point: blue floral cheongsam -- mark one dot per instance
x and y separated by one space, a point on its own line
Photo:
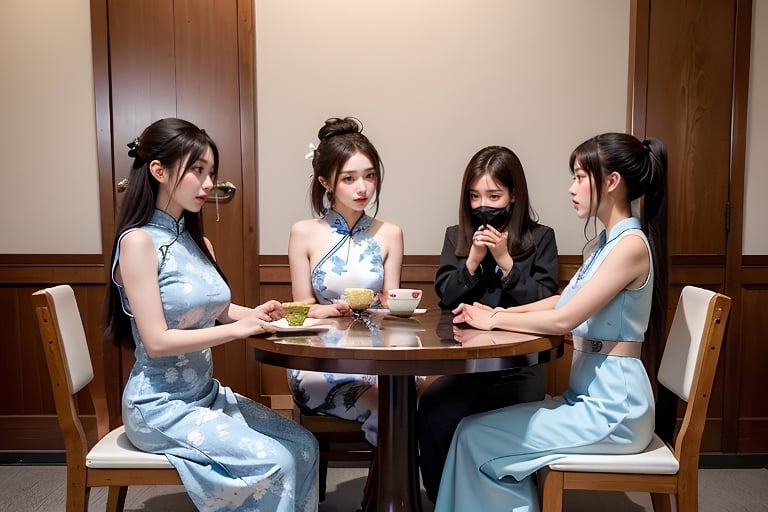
354 261
231 452
608 407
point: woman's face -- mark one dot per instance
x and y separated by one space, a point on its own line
582 192
483 191
187 190
355 184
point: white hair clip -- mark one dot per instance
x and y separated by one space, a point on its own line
311 154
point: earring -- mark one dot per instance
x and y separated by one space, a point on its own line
327 200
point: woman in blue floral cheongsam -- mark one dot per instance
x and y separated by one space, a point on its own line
169 300
344 248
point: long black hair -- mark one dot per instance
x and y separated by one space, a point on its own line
503 166
643 167
172 142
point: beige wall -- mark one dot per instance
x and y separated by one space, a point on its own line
47 129
427 119
755 232
433 82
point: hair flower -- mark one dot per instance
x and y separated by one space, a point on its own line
133 148
311 154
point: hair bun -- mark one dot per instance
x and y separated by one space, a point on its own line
335 127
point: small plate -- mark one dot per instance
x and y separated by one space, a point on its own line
310 325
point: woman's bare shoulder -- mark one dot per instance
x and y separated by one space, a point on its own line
308 226
136 240
386 228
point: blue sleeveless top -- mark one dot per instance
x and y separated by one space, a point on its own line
193 295
625 317
354 261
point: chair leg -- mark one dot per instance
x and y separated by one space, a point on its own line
687 500
371 490
77 492
116 498
322 480
77 501
551 490
324 448
661 502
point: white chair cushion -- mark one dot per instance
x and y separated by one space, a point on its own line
656 459
115 451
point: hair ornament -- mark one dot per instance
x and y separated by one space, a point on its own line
311 154
133 148
646 145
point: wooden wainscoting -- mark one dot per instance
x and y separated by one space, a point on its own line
27 412
747 332
738 414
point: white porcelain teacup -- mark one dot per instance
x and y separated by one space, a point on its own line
403 301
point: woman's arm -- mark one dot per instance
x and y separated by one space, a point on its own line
298 262
534 277
626 263
453 280
269 311
137 271
390 239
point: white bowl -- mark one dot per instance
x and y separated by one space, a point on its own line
403 301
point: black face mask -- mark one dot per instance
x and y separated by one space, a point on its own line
490 216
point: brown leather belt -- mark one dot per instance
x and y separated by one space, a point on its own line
610 348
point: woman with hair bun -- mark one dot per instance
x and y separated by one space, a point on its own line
343 248
614 303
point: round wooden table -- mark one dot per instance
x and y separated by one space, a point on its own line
398 349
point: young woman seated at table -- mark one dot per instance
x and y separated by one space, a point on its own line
609 405
500 256
170 303
344 248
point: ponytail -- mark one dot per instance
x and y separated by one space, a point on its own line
654 222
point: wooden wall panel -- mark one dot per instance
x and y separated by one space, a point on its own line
690 66
752 421
27 411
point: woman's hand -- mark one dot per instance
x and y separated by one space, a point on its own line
338 308
472 337
476 315
489 239
495 241
477 250
270 311
254 324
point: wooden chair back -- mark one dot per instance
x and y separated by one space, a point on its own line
688 369
71 372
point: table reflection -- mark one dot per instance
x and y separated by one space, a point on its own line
396 349
368 329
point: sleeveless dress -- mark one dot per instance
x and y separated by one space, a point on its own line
231 452
608 408
354 261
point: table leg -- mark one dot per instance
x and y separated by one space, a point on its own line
398 469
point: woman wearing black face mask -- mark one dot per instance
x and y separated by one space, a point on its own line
500 256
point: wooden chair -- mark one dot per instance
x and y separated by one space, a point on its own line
687 368
113 461
339 440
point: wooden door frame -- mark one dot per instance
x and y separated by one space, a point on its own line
114 377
